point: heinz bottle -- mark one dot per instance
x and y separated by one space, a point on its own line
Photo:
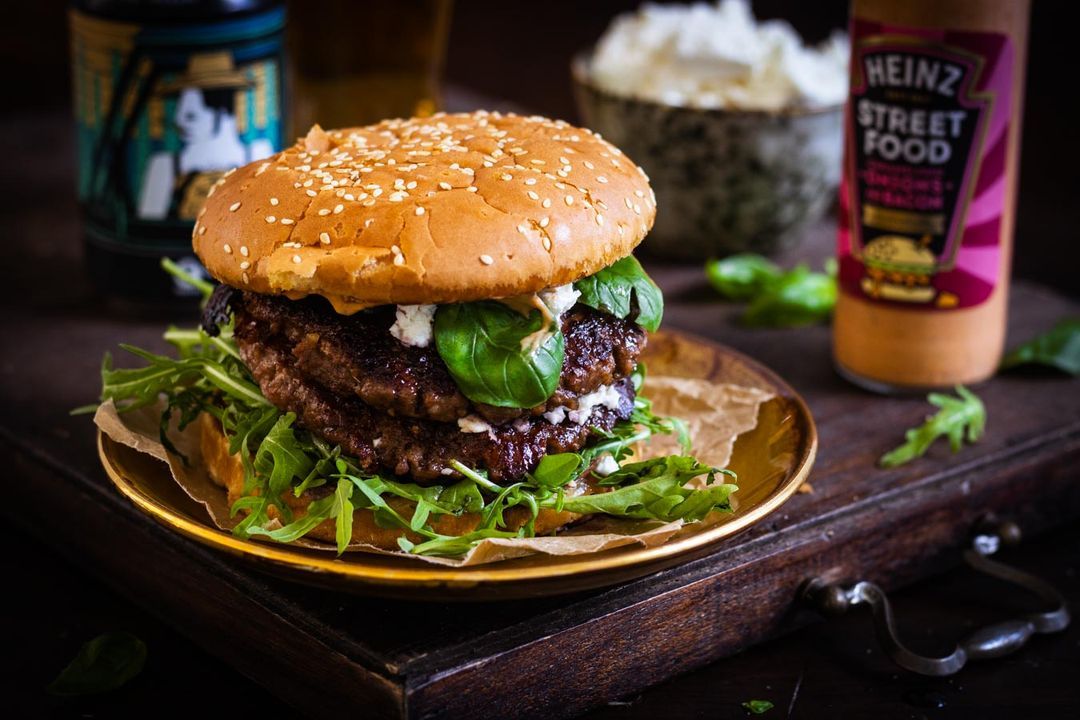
928 195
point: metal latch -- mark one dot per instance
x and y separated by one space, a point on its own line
992 641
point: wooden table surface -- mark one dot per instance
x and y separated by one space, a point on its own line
54 330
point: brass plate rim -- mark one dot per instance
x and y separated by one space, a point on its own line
414 574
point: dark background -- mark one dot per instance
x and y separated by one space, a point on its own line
520 51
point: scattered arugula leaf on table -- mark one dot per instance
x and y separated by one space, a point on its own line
757 707
959 419
105 663
1058 348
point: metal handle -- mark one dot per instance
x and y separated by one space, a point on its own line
989 642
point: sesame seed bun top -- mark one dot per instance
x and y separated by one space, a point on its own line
451 208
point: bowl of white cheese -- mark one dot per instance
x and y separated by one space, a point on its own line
738 123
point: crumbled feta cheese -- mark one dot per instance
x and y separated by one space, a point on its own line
718 56
604 396
606 466
414 324
473 424
559 299
446 471
556 416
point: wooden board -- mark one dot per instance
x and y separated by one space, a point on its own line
558 656
552 657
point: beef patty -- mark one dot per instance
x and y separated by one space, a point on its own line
395 407
421 449
357 356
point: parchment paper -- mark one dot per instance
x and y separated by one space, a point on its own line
716 414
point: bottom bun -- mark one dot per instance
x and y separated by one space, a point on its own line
227 471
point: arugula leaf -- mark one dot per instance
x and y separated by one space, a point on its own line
777 298
105 663
743 276
958 419
757 707
618 287
654 490
343 511
482 344
204 287
1059 348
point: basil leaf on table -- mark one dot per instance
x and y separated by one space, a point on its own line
614 289
776 297
741 277
481 344
103 664
1059 348
798 297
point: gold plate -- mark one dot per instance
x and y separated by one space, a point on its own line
771 460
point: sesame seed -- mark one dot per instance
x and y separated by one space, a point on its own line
637 208
419 210
532 195
544 222
273 201
399 259
569 199
349 196
446 186
311 193
296 259
546 203
271 219
547 243
287 221
507 176
202 229
599 219
324 238
472 188
245 265
234 207
589 165
244 250
639 193
324 212
601 179
530 181
338 208
227 248
486 259
537 161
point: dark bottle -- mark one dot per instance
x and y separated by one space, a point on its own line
169 96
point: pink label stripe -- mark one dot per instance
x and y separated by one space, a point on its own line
983 234
993 166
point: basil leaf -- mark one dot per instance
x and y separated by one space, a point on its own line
741 277
616 289
481 344
103 664
777 297
1059 348
958 419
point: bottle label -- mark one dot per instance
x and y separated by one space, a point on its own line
162 111
924 183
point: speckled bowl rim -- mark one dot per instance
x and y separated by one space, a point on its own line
581 75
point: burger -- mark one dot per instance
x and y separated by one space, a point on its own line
426 333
